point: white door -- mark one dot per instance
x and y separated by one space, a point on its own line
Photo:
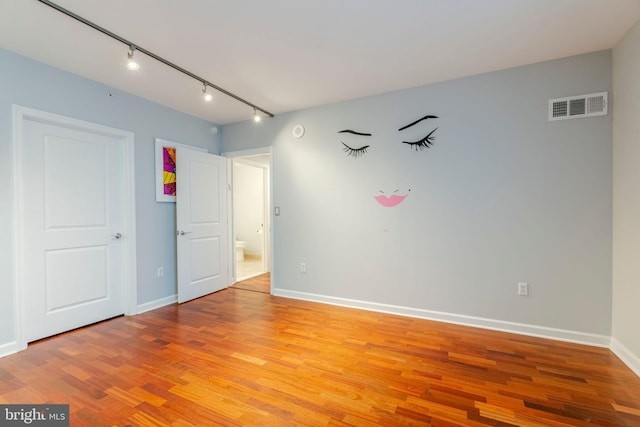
73 197
201 217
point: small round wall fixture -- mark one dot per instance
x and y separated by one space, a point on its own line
298 131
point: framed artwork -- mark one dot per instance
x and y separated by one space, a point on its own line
166 169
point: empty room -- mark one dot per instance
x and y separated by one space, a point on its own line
356 213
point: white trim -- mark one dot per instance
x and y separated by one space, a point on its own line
252 163
152 305
627 356
131 260
247 153
18 262
20 114
9 348
476 322
232 274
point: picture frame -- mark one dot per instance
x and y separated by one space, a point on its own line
165 160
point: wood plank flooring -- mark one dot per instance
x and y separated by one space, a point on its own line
242 358
261 283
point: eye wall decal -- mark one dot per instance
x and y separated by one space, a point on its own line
424 142
353 151
418 145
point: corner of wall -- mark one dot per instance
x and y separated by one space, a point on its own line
626 355
625 341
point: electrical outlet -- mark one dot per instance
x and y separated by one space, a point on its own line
523 289
303 267
160 271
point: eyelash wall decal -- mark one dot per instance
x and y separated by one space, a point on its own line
423 143
354 152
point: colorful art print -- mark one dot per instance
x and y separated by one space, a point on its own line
169 171
166 161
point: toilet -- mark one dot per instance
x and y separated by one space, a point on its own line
240 245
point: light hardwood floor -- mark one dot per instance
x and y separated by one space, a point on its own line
243 358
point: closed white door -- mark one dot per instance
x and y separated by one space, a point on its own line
201 217
74 191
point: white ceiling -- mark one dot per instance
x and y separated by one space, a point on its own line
285 55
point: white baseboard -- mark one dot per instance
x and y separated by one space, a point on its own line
152 305
478 322
9 348
627 356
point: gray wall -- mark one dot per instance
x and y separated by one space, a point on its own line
35 85
502 196
626 196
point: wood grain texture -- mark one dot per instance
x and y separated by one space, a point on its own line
261 283
241 358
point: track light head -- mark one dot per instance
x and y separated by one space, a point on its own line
206 95
256 116
131 62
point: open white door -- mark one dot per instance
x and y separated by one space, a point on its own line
201 217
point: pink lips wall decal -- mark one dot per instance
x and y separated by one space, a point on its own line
391 201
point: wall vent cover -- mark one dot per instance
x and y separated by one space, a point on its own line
572 107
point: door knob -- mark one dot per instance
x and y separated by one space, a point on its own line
182 233
116 236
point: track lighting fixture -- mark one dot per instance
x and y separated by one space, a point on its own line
131 62
133 65
206 95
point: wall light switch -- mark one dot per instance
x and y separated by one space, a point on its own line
523 289
160 271
277 211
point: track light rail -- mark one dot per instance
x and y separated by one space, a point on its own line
158 58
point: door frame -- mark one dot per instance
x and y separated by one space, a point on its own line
268 215
20 116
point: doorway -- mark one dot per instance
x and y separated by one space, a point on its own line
250 203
